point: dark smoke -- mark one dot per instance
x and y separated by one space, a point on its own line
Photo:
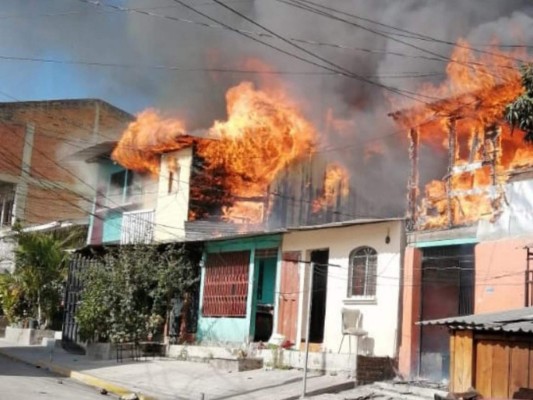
99 34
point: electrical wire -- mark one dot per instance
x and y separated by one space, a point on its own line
414 35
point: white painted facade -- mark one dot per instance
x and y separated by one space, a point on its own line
380 312
173 195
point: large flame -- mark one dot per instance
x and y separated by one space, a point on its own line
264 132
471 104
336 185
145 139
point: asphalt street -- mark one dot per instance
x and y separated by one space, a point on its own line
21 381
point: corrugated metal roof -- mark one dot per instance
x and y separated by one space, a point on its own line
94 153
340 224
202 230
518 320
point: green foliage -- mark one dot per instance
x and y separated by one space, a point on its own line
128 294
93 314
519 113
40 270
11 297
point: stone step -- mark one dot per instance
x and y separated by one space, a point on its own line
410 389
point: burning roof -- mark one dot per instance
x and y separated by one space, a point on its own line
466 137
237 159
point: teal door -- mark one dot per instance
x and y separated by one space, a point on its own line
264 297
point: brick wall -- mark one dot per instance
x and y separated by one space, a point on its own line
61 128
373 369
11 138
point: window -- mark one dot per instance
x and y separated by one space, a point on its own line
116 182
362 272
7 201
173 181
226 284
120 186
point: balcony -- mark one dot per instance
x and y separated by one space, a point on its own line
137 227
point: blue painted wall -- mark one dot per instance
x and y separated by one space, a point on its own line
234 330
112 227
108 222
266 283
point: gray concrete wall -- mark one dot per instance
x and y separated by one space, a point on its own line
27 336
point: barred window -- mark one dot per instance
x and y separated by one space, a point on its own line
226 284
362 272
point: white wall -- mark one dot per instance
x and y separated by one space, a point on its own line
380 316
173 208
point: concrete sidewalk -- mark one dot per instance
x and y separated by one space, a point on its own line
169 379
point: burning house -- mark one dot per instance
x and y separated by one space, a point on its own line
255 191
469 193
257 171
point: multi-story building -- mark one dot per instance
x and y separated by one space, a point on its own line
39 182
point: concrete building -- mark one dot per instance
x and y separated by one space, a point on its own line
470 194
357 266
39 182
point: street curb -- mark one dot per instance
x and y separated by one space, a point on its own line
334 388
86 379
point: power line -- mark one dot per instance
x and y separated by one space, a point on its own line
333 67
73 12
415 35
338 70
305 5
402 75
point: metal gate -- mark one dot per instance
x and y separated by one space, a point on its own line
78 264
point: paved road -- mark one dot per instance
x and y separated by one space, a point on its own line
21 381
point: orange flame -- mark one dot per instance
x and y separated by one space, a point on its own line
335 184
470 108
264 132
145 139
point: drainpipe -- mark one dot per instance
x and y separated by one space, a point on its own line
399 327
21 191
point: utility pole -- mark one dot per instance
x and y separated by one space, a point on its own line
309 301
308 330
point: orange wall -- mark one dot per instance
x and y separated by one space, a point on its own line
500 267
499 285
410 339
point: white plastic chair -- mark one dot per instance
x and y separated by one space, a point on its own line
351 326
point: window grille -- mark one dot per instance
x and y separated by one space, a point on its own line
362 272
266 253
7 201
225 291
137 227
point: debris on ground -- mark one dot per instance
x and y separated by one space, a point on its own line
130 396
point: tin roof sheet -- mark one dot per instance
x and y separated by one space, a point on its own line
517 320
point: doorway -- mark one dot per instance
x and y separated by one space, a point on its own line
447 291
264 289
320 259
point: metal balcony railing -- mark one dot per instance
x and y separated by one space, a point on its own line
137 227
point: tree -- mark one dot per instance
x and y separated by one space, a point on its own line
519 113
34 289
128 294
40 268
11 297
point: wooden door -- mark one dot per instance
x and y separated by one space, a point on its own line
288 296
502 367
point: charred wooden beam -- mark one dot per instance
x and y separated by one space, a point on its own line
474 147
492 145
413 178
452 156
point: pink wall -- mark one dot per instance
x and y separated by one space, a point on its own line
410 339
500 268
